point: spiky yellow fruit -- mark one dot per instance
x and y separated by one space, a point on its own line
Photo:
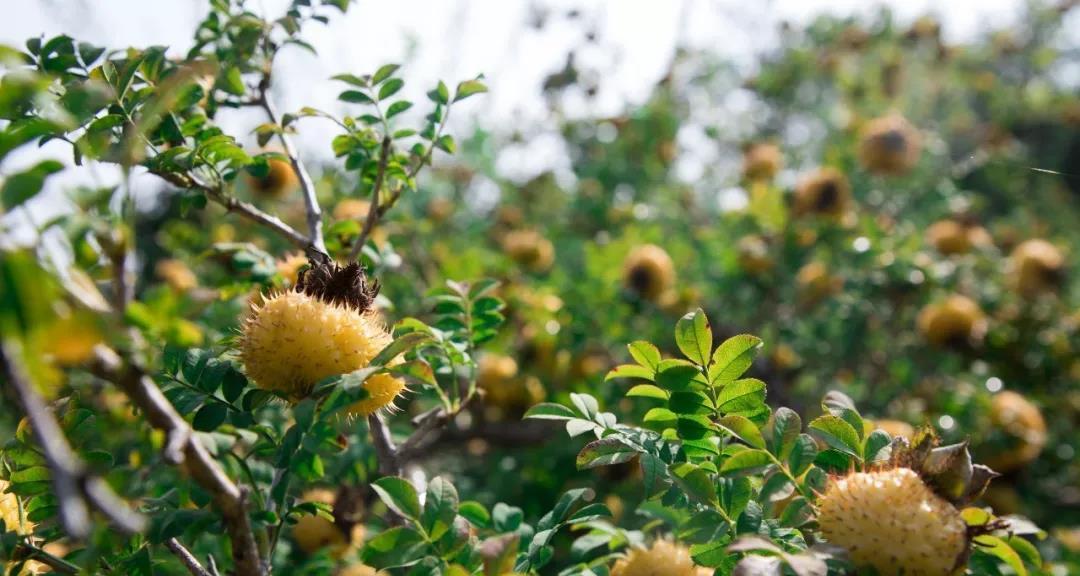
823 192
816 283
889 145
1023 422
761 161
529 249
313 533
352 209
323 328
649 271
664 558
280 179
891 521
954 321
1037 266
176 274
359 570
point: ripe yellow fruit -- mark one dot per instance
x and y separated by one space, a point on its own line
891 521
439 209
529 249
504 390
359 570
896 428
176 274
761 161
823 192
753 255
279 180
313 533
323 328
351 209
648 271
949 237
664 558
11 514
889 145
289 267
1036 266
1023 422
954 321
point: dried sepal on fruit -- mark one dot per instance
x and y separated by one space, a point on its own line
649 272
903 518
823 192
889 145
663 558
323 327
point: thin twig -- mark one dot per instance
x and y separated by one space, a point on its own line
76 490
375 211
426 424
311 201
186 557
384 446
182 445
244 209
58 565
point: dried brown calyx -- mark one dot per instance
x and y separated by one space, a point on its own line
335 284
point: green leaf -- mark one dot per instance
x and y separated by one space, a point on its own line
32 474
629 371
232 82
647 391
653 474
390 88
397 108
209 417
440 507
694 481
585 404
786 427
743 429
746 462
605 452
837 433
468 88
355 96
475 513
676 377
399 346
732 358
746 397
384 72
994 546
802 455
693 335
440 95
23 186
394 547
550 411
645 354
398 494
661 417
878 446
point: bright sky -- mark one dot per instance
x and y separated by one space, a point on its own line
456 39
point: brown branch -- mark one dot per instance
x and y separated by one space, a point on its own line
241 208
77 491
186 557
376 210
385 452
58 565
182 446
311 201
